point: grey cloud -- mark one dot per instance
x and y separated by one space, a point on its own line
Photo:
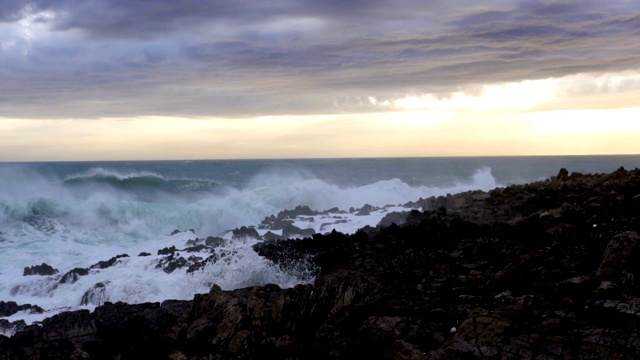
11 10
215 58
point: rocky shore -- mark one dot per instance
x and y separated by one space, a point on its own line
538 271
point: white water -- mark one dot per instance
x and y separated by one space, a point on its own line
41 220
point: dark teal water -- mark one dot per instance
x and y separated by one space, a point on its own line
343 172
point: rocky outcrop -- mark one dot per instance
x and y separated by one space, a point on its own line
537 271
42 269
8 308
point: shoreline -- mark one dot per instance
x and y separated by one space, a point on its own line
545 268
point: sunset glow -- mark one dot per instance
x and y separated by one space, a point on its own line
78 85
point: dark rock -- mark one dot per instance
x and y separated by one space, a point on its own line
171 263
286 217
333 210
246 232
8 327
620 259
8 308
517 272
562 174
72 275
365 210
397 218
214 241
269 236
294 231
42 269
96 295
108 263
176 231
144 254
167 250
196 248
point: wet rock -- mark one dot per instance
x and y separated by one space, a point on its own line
42 269
517 272
294 231
269 236
171 263
397 218
8 308
8 327
214 241
245 232
167 250
96 295
365 210
176 232
73 275
108 263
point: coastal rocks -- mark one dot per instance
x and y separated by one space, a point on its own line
245 233
42 269
397 218
286 217
73 275
8 308
291 231
96 295
105 264
514 273
620 259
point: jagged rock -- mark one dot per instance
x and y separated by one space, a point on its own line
108 263
8 308
397 218
294 231
42 269
285 217
365 210
562 174
72 275
167 250
333 210
171 263
620 259
144 253
176 231
269 236
196 248
214 241
246 232
518 272
8 327
96 295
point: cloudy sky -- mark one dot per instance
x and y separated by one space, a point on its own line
202 79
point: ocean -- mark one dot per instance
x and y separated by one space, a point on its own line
73 215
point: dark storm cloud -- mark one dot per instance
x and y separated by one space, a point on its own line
241 58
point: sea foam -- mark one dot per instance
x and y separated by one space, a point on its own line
96 214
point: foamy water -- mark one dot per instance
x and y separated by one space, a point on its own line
70 216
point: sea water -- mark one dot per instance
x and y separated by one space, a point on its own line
75 214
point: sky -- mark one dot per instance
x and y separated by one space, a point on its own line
212 79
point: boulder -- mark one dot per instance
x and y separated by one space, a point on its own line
245 232
620 258
42 269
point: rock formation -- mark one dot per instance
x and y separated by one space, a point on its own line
537 271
